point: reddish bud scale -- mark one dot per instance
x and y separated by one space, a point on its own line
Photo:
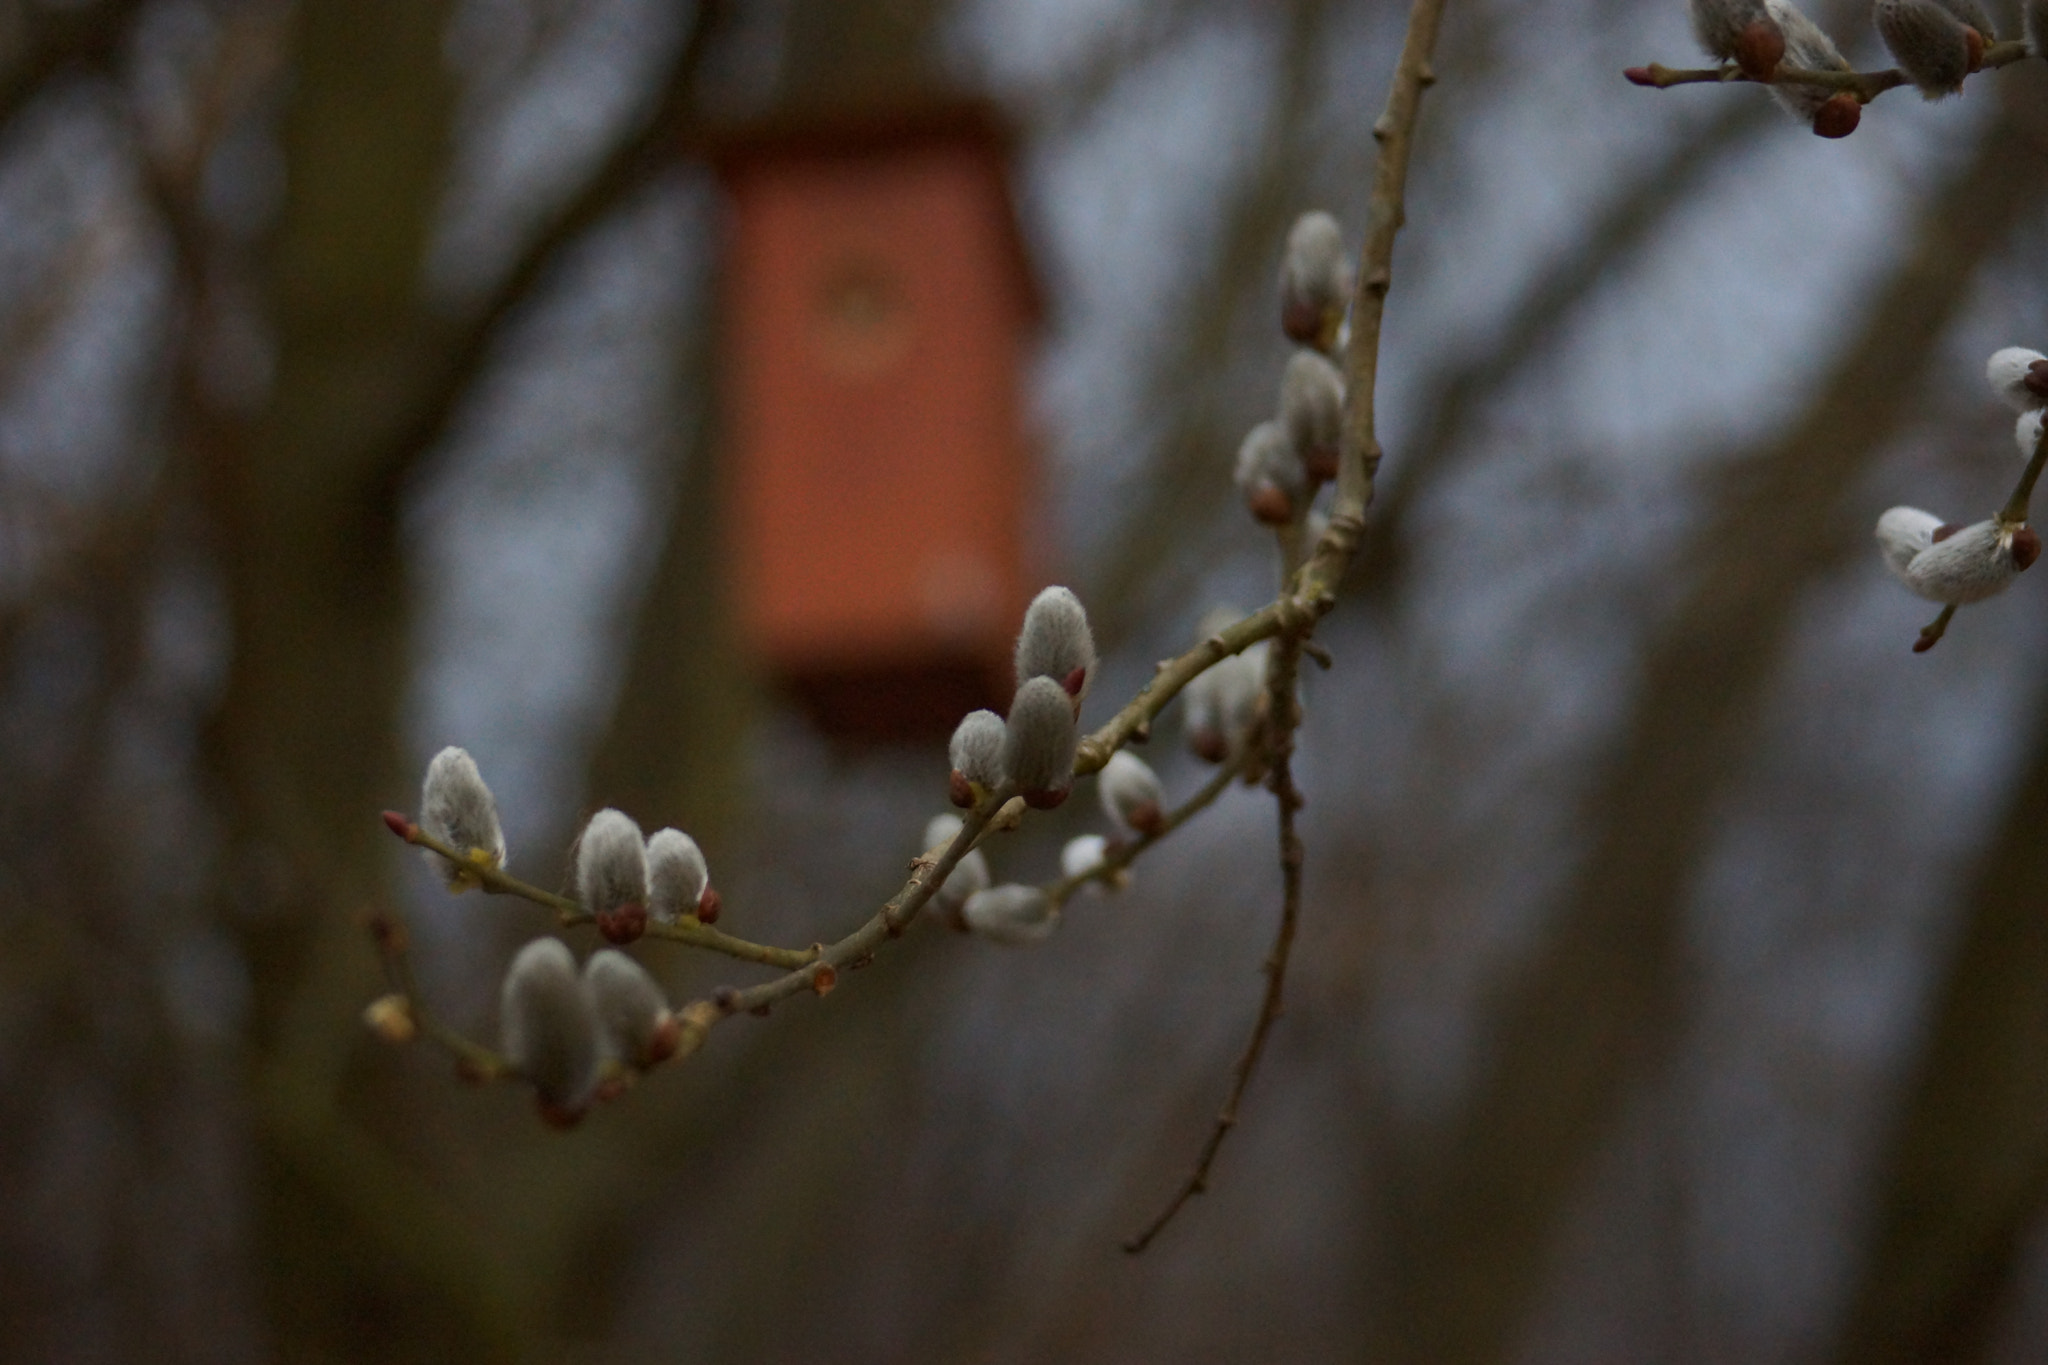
1638 75
1302 320
402 827
1321 466
1973 43
1759 48
1045 799
1838 115
557 1117
1074 682
1147 819
959 790
668 1036
824 978
1945 530
2026 547
1270 505
1925 643
708 906
1209 745
2035 380
623 925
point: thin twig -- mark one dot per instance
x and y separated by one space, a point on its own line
1285 711
1119 856
476 1061
1864 85
999 810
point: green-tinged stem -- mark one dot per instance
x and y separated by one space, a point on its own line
497 881
2014 513
1865 85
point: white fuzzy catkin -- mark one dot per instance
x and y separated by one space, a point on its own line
1131 795
459 810
638 1027
968 876
1970 565
1902 533
1011 914
1221 704
977 748
1270 477
1930 44
611 870
2008 371
677 875
1312 411
1038 748
1055 643
548 1028
2026 433
1315 280
1808 48
1082 854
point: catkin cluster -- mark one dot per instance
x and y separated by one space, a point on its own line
574 1035
1956 564
1938 44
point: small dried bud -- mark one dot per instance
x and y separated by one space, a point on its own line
2026 433
1082 855
1956 567
459 810
1809 48
1038 749
639 1028
2019 377
1131 795
611 875
1312 410
1270 476
977 750
390 1018
549 1029
1930 44
1838 115
968 876
1056 643
677 876
1315 281
1739 31
1011 914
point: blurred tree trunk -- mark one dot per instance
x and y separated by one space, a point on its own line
1475 1210
361 1264
1967 1176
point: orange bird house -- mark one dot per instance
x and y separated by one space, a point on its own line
878 307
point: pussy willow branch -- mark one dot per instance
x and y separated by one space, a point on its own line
498 882
2010 517
1864 85
1119 856
1312 591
